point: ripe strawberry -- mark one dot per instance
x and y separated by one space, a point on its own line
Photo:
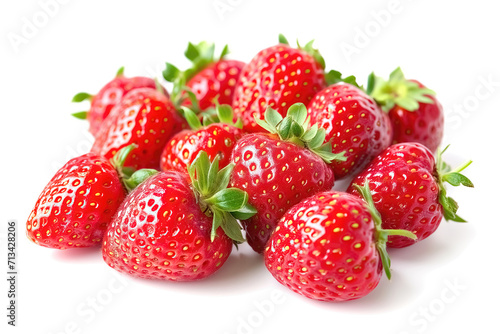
209 81
168 227
408 190
277 77
330 247
280 168
76 205
109 95
216 139
144 117
415 113
354 124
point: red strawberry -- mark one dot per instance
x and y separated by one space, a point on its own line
216 139
209 81
280 168
354 124
76 205
415 114
144 117
168 227
408 190
330 247
278 77
109 95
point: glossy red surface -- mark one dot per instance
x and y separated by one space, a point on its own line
324 248
160 232
77 204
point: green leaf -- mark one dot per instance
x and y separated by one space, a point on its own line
399 91
225 113
239 123
218 217
333 77
313 52
370 84
381 235
298 112
138 177
191 52
310 133
202 165
296 130
272 116
282 39
186 91
170 73
407 103
80 97
206 52
385 259
397 75
212 174
231 228
119 158
80 115
229 199
456 179
225 52
191 118
453 177
245 212
120 72
265 125
318 139
285 128
325 153
223 177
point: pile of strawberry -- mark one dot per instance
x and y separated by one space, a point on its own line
173 180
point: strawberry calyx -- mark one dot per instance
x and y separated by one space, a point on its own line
333 77
82 96
201 55
225 205
397 91
308 48
222 113
130 177
294 127
381 235
454 177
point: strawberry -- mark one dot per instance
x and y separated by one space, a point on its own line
278 77
145 117
76 205
330 247
168 227
109 95
354 124
415 113
408 190
216 139
207 82
280 168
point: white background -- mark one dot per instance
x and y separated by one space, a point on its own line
448 282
